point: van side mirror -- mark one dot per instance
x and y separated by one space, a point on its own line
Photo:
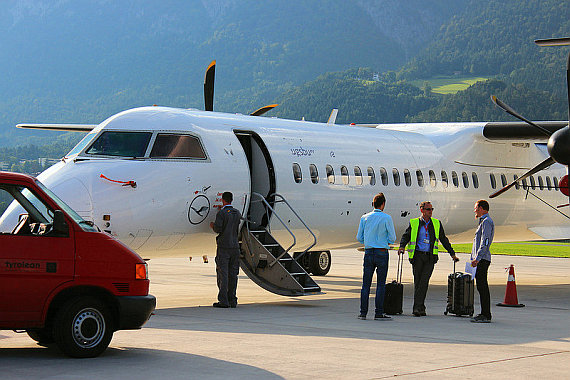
60 227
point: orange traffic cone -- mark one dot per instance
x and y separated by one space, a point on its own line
511 299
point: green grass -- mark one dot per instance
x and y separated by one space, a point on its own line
448 85
539 249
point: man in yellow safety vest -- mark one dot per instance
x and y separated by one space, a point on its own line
422 237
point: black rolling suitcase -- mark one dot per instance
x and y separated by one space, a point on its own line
460 292
394 294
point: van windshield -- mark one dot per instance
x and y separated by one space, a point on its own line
122 144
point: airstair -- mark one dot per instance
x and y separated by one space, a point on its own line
267 263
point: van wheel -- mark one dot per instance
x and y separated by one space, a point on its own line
320 263
44 336
82 328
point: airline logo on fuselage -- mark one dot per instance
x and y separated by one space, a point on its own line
300 152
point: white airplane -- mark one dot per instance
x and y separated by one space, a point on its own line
153 177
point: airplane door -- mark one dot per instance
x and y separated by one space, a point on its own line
262 176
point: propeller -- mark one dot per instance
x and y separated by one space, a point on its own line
209 86
209 92
558 142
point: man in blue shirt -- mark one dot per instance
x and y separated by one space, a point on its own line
376 232
481 258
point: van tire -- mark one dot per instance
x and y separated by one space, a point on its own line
83 327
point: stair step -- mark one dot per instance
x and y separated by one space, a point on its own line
271 245
312 288
298 273
286 259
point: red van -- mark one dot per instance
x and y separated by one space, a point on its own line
61 280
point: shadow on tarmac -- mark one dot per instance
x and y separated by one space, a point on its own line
545 317
127 363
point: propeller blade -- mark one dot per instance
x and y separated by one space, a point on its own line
553 41
543 165
262 110
511 111
209 86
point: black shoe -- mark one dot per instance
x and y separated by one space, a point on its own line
417 314
382 317
233 305
361 316
423 314
220 305
480 319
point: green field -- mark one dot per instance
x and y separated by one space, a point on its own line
539 249
448 85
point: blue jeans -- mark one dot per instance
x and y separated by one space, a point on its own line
374 259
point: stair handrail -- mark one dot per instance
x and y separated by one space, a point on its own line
302 221
282 222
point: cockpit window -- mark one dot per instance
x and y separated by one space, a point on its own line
82 144
122 144
177 146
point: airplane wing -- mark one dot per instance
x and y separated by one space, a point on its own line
60 127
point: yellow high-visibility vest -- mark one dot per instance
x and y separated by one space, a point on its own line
415 223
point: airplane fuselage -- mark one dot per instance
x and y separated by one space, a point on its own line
328 173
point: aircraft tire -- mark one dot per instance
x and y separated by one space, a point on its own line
83 327
320 263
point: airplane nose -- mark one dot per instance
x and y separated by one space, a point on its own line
74 192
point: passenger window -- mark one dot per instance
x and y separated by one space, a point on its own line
330 174
548 183
396 175
177 146
455 179
407 177
444 180
532 183
344 175
524 185
516 177
371 176
504 180
358 176
555 182
465 180
120 144
432 180
420 178
297 173
475 180
540 183
314 173
384 176
493 181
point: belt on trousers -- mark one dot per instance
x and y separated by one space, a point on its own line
427 253
383 250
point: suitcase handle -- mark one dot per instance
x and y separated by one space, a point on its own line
399 269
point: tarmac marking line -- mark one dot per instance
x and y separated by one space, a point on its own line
474 364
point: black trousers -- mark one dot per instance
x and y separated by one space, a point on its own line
483 287
422 268
227 269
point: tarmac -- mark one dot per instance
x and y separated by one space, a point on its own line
271 337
